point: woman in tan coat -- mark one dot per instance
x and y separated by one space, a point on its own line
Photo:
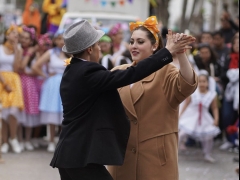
152 106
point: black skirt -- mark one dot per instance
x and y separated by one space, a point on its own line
90 172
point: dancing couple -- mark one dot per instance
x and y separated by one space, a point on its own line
126 118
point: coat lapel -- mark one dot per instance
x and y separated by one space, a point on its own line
126 98
137 90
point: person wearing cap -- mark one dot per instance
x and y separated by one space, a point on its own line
105 44
95 129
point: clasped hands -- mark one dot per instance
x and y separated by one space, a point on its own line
178 43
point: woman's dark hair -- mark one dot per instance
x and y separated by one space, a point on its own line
235 37
152 38
206 33
212 60
35 42
218 33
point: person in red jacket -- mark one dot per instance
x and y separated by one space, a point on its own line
234 62
231 99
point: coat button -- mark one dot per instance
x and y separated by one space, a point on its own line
134 151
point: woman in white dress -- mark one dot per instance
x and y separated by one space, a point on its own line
196 120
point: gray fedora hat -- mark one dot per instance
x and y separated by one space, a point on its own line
80 36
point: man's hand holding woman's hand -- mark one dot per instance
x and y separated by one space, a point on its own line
178 43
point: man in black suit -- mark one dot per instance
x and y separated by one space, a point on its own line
95 129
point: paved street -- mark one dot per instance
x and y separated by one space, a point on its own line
34 166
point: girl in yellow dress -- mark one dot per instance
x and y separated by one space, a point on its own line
10 88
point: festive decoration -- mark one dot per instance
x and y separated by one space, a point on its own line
113 3
103 3
122 2
95 2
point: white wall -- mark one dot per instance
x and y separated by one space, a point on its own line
138 8
7 7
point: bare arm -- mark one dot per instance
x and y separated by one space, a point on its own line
27 58
37 67
186 68
17 58
2 80
5 85
214 107
187 102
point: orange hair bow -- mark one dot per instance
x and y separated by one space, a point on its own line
12 28
151 24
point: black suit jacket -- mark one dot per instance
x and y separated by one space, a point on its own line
95 127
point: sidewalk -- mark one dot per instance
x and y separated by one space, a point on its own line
35 166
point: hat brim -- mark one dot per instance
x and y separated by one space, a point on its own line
99 36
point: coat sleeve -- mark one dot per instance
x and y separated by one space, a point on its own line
99 79
175 87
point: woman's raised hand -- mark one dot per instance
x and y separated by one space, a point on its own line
178 42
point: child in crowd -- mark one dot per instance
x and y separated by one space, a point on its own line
106 52
195 119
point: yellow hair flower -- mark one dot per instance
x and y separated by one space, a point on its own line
12 28
68 61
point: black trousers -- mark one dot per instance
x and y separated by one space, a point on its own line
91 172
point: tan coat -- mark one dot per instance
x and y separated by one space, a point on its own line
152 106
